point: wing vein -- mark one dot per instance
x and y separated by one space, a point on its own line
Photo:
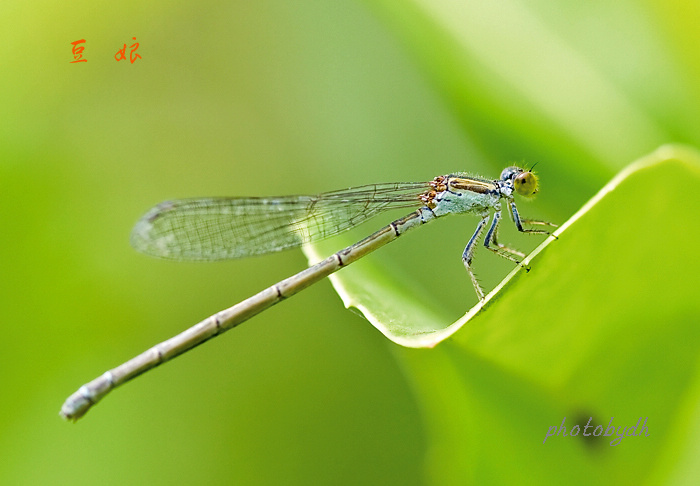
225 228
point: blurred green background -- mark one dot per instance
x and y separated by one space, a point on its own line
280 97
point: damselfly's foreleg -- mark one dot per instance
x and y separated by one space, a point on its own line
538 222
491 242
469 253
519 222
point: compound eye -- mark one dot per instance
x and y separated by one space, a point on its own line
526 184
509 172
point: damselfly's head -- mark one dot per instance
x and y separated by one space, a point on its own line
524 181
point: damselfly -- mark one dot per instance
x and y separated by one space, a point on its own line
223 228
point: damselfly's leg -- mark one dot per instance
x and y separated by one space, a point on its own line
469 252
519 222
499 249
538 222
502 250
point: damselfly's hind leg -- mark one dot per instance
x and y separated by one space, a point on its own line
469 253
491 242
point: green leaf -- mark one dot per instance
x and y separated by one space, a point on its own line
604 326
518 94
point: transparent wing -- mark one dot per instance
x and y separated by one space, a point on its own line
225 228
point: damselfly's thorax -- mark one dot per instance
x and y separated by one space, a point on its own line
437 185
460 192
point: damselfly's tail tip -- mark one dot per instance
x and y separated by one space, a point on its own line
66 417
75 407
